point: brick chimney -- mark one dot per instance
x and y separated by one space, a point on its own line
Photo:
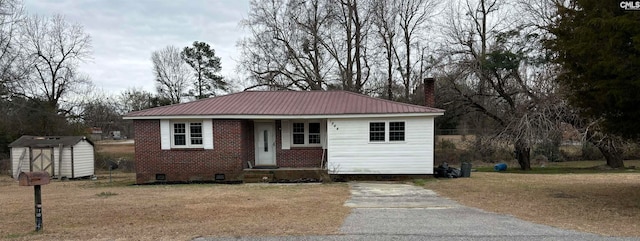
429 92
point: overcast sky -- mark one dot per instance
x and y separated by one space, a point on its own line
124 33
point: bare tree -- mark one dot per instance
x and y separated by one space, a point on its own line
133 99
11 18
171 72
347 43
385 19
413 15
496 73
309 45
284 50
541 15
55 48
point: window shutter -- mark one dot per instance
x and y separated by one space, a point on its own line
323 134
285 133
165 135
207 134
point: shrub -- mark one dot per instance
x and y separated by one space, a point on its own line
550 150
631 151
590 152
493 154
448 156
5 166
445 145
125 161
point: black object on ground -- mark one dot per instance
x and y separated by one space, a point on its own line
465 169
443 170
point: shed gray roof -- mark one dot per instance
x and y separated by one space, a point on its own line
47 141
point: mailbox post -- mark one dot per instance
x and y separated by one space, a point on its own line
35 179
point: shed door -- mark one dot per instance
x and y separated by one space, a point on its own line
265 138
42 160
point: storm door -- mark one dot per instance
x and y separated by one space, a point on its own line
265 138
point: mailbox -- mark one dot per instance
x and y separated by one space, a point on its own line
33 178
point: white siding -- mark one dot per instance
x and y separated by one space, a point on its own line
285 134
16 152
207 134
350 151
165 135
83 159
56 159
65 169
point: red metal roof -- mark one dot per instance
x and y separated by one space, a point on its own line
284 103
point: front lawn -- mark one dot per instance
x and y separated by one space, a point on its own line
601 203
86 209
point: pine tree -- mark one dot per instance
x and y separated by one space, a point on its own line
202 58
597 44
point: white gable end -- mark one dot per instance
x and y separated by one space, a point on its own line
351 152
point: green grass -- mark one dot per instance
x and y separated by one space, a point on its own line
21 235
419 182
576 167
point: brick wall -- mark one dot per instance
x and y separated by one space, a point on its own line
234 146
248 144
296 156
228 156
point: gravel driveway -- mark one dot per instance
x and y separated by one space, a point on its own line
386 211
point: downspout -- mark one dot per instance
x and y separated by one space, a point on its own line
53 161
60 161
326 143
30 160
13 171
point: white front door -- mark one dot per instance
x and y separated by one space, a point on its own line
265 137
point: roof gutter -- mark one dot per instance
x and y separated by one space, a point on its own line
282 117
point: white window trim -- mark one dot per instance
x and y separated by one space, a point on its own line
187 134
387 130
306 133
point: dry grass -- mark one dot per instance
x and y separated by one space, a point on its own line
99 210
607 204
114 147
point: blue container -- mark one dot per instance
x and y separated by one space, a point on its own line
500 167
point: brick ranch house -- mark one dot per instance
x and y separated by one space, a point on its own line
221 138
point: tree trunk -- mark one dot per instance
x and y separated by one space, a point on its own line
613 156
523 155
608 146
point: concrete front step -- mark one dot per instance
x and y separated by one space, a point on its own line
291 174
253 177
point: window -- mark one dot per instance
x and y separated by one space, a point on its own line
378 131
305 133
196 133
314 133
298 133
187 137
396 131
179 134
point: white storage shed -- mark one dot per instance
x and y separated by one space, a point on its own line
60 156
